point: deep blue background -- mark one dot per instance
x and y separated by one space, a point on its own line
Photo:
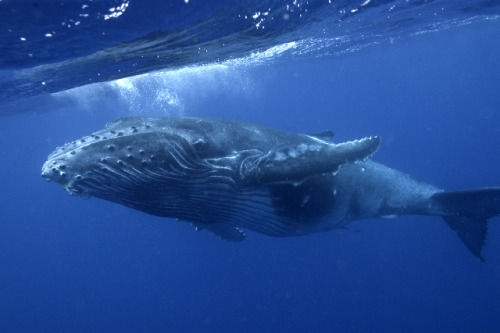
74 265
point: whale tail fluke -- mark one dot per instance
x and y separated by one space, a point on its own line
467 213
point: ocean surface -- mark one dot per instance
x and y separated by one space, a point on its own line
424 75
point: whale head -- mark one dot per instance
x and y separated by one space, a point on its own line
130 153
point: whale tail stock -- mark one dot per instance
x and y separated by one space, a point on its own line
467 213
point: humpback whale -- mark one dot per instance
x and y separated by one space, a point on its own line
227 176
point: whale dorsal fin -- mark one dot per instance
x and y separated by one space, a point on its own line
293 163
324 135
124 121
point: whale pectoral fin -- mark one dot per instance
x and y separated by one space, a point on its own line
225 232
293 163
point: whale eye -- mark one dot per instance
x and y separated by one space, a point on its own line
199 144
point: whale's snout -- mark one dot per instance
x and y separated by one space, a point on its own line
55 171
59 172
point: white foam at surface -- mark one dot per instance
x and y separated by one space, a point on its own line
166 93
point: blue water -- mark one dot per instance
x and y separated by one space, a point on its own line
426 80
